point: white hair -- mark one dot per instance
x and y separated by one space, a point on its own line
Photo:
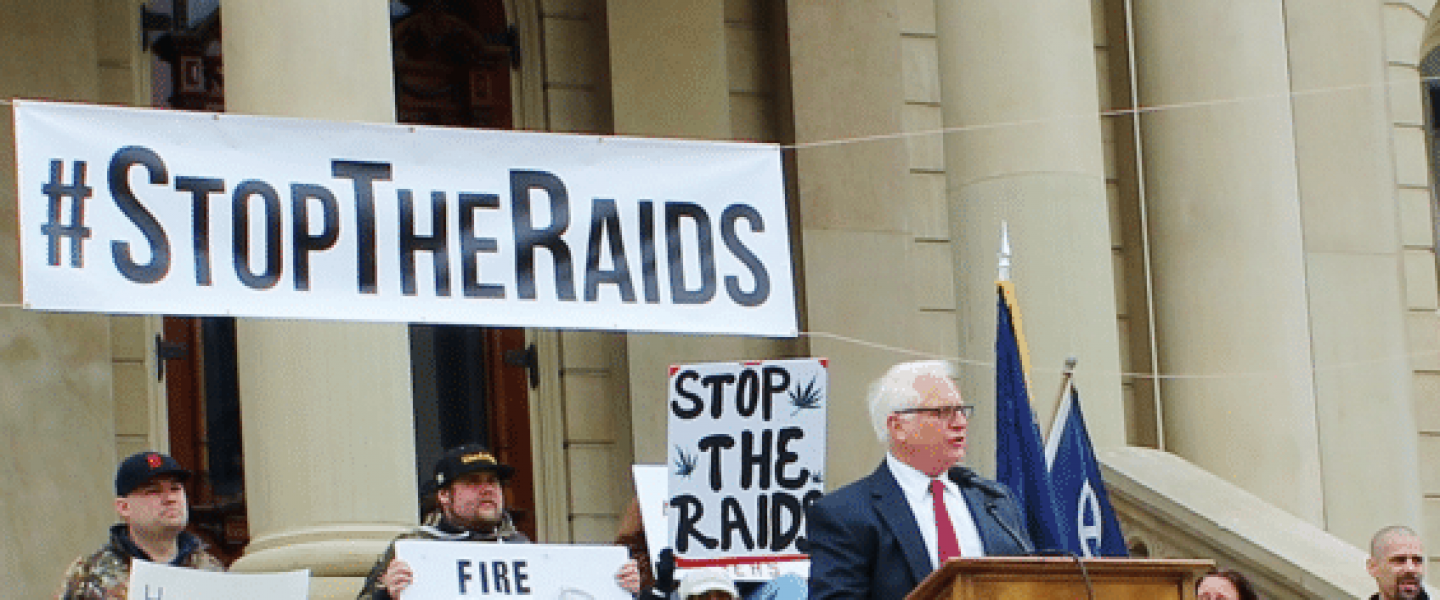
895 390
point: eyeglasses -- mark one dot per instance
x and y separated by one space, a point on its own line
941 412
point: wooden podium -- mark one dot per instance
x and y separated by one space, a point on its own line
1015 578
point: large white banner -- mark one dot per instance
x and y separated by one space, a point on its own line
449 570
168 212
747 455
150 581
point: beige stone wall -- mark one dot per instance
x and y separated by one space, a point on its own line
56 382
926 208
601 413
1342 246
1122 190
123 77
1404 24
852 203
141 420
583 450
576 70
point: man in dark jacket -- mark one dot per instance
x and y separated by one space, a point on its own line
471 496
150 500
878 537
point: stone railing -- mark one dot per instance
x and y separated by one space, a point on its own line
1170 508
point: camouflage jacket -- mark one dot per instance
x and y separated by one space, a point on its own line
442 531
105 575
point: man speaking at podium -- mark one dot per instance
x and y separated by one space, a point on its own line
881 535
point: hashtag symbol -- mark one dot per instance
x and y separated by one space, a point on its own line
56 229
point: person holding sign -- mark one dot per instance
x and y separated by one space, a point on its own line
150 500
471 494
881 535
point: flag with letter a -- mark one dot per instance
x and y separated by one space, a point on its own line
1079 491
1019 452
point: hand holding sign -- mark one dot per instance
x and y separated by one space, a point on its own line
452 570
149 581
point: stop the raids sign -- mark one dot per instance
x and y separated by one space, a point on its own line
747 453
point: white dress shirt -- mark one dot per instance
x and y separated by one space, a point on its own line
916 486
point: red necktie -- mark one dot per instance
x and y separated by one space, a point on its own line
948 544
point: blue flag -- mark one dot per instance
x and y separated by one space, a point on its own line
1075 476
1019 453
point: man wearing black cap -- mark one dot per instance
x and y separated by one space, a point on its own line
150 499
469 485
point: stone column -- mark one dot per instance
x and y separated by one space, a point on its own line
1227 246
669 79
1021 109
854 205
56 369
326 407
1354 260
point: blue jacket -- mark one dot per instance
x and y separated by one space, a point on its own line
864 542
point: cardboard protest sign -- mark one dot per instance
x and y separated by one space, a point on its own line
150 581
746 454
452 570
652 493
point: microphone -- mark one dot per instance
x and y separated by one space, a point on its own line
994 511
993 492
964 476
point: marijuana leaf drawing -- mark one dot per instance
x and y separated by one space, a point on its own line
808 396
685 465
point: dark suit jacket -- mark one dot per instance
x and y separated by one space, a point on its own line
864 542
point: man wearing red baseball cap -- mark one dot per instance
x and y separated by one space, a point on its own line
150 500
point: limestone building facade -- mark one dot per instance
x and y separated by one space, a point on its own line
1224 209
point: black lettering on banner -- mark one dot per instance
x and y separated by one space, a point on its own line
717 384
364 174
649 268
411 242
144 220
781 505
697 405
302 241
462 568
528 237
705 252
713 444
200 189
783 457
471 246
240 224
605 223
753 460
728 219
55 229
732 520
691 511
777 380
158 595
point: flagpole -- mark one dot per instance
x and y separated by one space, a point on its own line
1064 386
